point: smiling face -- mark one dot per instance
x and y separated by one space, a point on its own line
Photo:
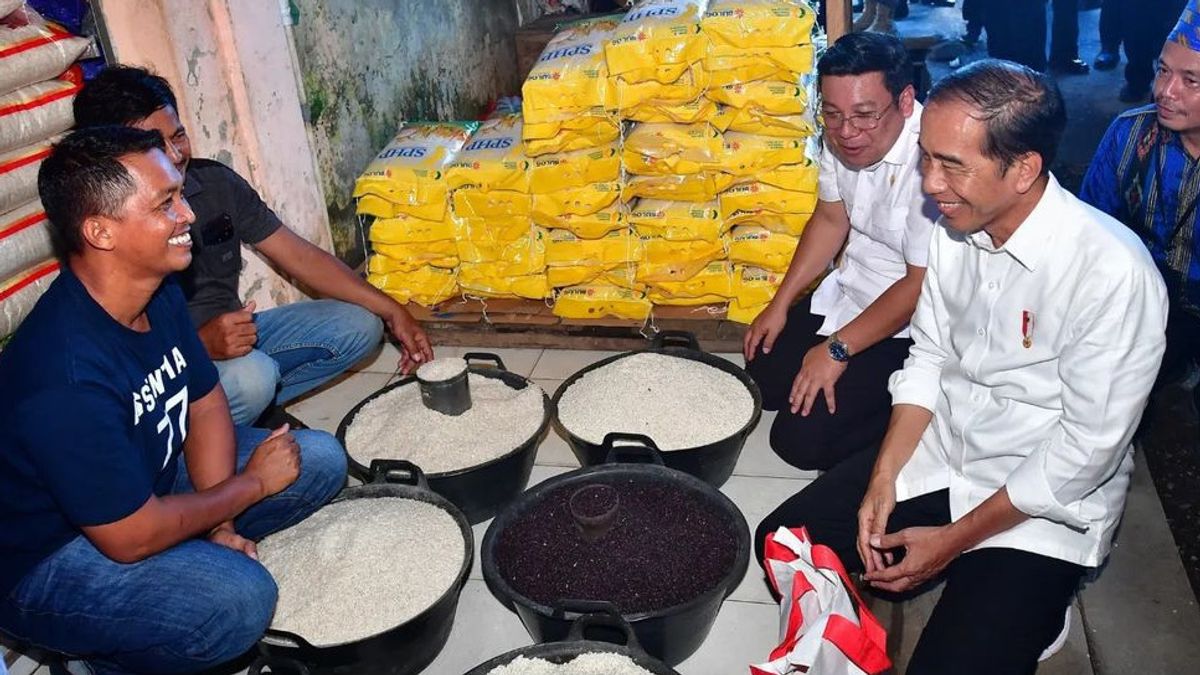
151 235
1177 92
165 121
866 95
973 191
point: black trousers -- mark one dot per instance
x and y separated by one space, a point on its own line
1144 27
1000 608
1110 26
1017 31
864 405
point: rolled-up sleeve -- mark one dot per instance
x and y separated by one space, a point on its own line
1107 370
918 382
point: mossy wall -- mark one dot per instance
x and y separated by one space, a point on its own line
369 64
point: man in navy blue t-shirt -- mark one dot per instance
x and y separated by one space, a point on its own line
113 549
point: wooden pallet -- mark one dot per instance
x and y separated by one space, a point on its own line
531 323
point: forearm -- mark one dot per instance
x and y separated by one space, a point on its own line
823 237
905 428
331 278
995 515
890 312
210 450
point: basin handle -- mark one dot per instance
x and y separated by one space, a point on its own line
606 619
643 447
397 472
675 338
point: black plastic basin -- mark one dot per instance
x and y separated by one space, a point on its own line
480 490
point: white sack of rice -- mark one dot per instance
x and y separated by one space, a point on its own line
360 567
591 663
679 403
397 425
440 370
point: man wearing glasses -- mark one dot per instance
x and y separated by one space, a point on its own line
823 362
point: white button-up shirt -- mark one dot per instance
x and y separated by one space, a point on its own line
890 224
1036 359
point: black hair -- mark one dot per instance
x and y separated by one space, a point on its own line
867 52
83 177
1021 109
122 96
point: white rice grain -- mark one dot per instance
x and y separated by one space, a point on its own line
590 663
360 567
397 425
440 370
677 402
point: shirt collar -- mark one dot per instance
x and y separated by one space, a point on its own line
192 185
901 151
1029 244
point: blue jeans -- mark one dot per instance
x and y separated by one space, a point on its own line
300 347
191 607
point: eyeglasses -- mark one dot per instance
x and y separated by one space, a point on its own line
860 121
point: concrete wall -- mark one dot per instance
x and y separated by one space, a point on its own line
366 65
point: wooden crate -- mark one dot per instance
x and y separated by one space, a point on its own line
531 323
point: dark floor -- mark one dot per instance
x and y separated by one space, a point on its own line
1171 442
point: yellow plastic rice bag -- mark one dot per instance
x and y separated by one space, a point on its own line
671 149
688 86
700 187
551 173
699 110
372 205
773 97
492 230
727 65
524 256
596 301
589 125
494 158
475 202
411 171
602 132
754 286
713 283
784 223
799 177
740 314
760 247
486 281
379 264
404 229
571 74
677 221
664 260
426 286
578 201
590 225
622 275
759 23
659 32
788 126
750 154
410 255
614 248
759 196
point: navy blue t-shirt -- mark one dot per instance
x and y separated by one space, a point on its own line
92 417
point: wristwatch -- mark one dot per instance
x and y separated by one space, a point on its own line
838 351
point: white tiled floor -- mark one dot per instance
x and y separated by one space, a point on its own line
745 630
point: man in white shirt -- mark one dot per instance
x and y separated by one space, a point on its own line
1037 338
823 363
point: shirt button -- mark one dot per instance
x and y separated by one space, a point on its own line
992 285
980 331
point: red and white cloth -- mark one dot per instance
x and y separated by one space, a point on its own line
824 627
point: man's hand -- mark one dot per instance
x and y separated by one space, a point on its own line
230 335
226 536
416 349
765 329
275 462
873 514
928 550
819 372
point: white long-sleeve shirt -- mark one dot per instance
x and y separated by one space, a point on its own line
1036 359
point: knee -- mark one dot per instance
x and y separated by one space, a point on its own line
323 463
361 330
242 603
805 443
250 384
